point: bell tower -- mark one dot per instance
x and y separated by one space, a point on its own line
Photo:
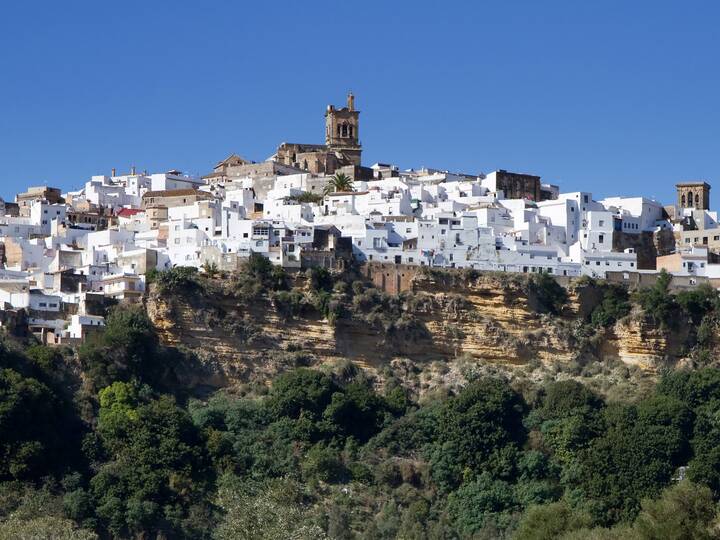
342 128
693 195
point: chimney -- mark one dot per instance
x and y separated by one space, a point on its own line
113 171
351 101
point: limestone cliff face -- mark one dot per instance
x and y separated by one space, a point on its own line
486 320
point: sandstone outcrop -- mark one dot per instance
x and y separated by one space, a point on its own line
483 319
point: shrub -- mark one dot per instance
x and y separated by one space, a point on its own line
657 302
323 463
615 305
301 391
179 278
550 296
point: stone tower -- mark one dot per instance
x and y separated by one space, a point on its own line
342 130
693 195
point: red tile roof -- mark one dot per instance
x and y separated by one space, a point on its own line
129 212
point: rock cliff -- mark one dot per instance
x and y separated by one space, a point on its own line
482 320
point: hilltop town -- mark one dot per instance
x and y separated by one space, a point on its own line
65 256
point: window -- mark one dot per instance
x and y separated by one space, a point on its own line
601 223
601 238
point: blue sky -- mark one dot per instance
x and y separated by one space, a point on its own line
612 97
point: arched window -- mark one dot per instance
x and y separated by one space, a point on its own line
682 201
690 199
344 130
338 130
350 130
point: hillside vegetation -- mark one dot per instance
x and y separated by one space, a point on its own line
134 435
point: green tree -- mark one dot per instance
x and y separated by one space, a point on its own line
128 348
549 521
339 182
684 511
176 279
301 391
615 305
324 463
698 302
357 411
634 458
657 301
475 427
157 476
31 427
482 504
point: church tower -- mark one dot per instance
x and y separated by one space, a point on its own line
342 130
693 195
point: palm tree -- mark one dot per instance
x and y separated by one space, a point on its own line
339 182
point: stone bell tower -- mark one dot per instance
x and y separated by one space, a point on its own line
342 130
693 195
